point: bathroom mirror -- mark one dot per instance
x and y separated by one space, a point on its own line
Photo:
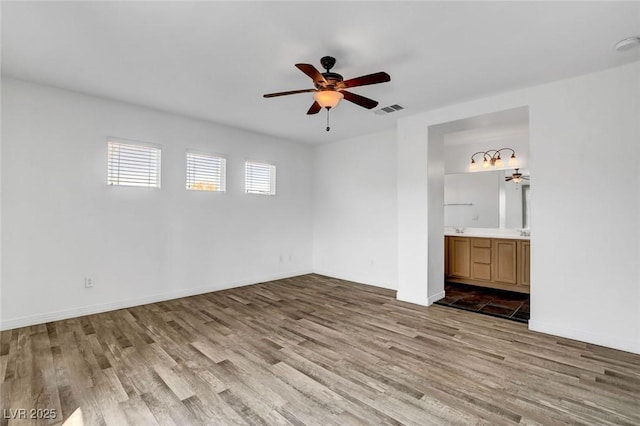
485 200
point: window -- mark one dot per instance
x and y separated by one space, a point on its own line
260 178
205 172
133 164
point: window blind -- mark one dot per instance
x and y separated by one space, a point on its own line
260 178
205 172
130 164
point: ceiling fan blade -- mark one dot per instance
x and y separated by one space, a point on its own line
315 108
507 179
291 92
379 77
312 72
359 100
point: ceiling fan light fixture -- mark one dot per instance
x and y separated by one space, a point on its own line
328 98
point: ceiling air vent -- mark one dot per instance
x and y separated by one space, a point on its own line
389 109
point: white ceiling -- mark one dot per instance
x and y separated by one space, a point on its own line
214 60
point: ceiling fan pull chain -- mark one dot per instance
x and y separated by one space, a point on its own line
328 128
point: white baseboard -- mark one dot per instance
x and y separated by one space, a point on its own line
121 304
627 345
430 300
354 279
435 297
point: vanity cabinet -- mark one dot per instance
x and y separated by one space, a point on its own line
488 262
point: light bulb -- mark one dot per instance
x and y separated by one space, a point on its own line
485 164
513 161
473 166
499 162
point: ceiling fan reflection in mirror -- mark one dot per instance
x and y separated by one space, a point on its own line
330 87
516 177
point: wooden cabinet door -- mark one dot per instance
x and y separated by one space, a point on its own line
481 259
505 261
524 262
446 256
459 257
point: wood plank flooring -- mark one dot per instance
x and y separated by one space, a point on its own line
310 350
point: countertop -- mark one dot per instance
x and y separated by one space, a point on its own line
507 234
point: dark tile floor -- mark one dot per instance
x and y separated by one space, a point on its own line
498 303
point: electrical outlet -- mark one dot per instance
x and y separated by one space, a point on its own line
88 282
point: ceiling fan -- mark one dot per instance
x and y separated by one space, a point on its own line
330 87
516 177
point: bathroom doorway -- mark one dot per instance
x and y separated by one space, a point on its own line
487 214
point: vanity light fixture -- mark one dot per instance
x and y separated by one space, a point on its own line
492 158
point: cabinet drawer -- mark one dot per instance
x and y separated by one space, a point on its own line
481 271
481 242
481 255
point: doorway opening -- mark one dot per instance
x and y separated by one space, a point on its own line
487 214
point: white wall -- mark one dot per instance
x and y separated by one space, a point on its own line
585 214
61 222
355 222
413 205
585 243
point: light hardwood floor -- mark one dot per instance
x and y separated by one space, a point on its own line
311 350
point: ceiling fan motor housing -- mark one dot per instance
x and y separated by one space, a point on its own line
332 79
327 62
